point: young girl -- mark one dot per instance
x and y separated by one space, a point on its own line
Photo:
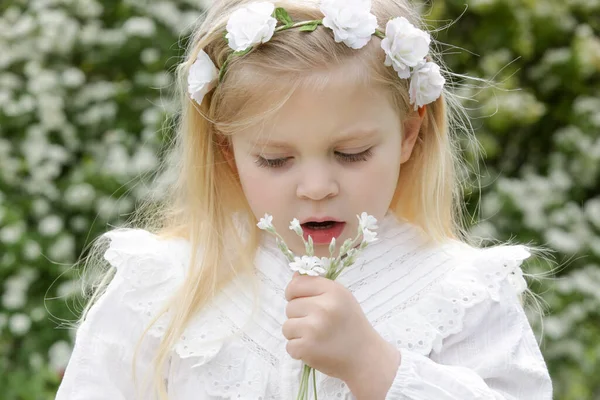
318 111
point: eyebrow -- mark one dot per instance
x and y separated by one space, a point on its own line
343 138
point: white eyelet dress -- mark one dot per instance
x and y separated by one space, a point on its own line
453 311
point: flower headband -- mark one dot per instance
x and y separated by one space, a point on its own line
351 21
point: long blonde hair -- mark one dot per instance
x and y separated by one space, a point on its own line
206 192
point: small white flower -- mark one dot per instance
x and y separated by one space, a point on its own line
19 324
295 226
369 236
367 221
266 223
251 25
404 45
308 265
351 21
426 84
202 77
326 262
59 354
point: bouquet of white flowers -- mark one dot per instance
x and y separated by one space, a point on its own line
329 267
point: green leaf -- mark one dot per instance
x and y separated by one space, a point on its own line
282 16
309 27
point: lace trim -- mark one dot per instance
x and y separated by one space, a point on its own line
155 269
440 313
426 319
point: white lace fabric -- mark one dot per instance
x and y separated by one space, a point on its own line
452 311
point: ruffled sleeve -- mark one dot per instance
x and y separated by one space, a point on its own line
148 271
469 338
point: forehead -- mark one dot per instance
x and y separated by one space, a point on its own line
325 111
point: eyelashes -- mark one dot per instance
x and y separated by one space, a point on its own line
271 163
342 157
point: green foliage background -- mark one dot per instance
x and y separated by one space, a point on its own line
84 92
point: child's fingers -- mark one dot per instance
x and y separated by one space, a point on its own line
292 328
298 307
304 286
295 348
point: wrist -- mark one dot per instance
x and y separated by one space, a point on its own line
375 371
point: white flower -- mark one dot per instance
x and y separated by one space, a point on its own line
404 45
367 221
202 77
19 324
326 262
369 236
251 25
58 355
426 84
351 21
266 223
295 226
308 265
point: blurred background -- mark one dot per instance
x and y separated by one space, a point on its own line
85 96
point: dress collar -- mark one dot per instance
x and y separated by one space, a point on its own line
394 235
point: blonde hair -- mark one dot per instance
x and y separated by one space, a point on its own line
206 193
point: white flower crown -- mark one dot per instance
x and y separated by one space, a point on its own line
351 21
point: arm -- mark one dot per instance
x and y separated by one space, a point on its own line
495 356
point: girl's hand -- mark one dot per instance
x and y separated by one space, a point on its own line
328 330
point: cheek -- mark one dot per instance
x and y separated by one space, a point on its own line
258 185
376 185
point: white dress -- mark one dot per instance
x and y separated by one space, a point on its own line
453 311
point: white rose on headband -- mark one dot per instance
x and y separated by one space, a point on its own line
251 25
426 84
202 77
350 20
404 45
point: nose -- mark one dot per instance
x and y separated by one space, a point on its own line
317 183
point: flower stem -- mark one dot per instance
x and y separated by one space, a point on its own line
303 391
379 34
298 24
314 371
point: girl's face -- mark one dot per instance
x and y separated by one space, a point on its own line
324 157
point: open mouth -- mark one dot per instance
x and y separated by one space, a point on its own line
319 225
322 232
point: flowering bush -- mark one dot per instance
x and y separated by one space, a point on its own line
542 180
84 90
83 95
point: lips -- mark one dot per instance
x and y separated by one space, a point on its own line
322 230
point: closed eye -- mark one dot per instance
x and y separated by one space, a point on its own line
271 163
355 157
343 157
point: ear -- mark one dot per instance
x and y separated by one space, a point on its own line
411 128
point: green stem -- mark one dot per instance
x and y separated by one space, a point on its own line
298 24
303 391
314 371
379 34
224 67
289 255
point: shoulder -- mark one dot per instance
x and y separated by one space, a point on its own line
148 270
488 268
472 279
134 249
